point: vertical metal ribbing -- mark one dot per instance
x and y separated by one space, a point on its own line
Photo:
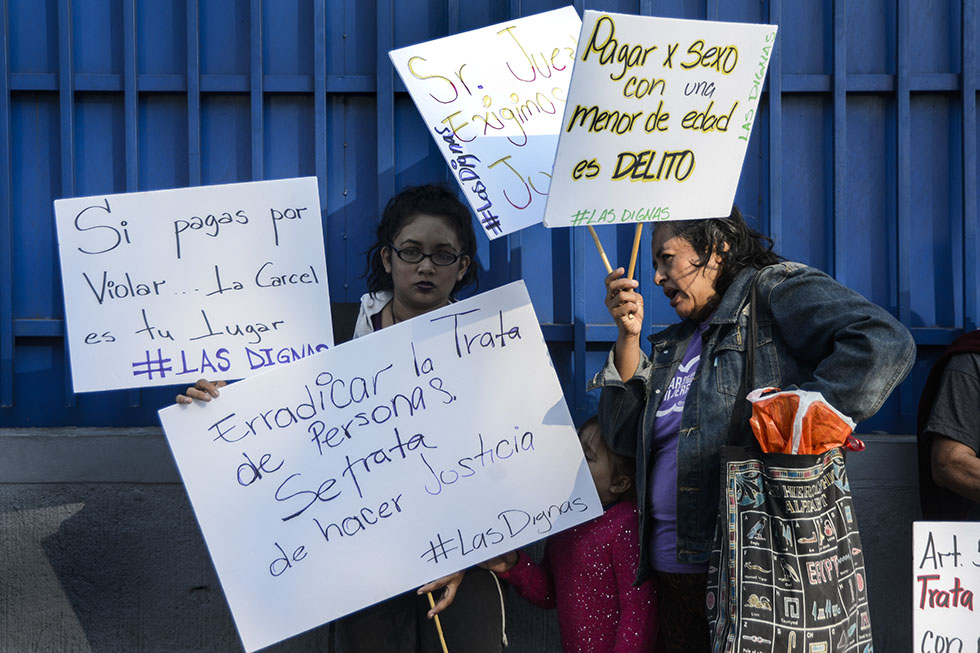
130 96
320 106
193 93
837 243
66 95
772 201
6 225
257 90
711 9
131 111
386 103
903 148
452 16
971 288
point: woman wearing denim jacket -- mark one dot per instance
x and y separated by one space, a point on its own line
671 409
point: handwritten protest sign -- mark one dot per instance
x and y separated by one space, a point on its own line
370 469
169 286
945 580
492 99
658 119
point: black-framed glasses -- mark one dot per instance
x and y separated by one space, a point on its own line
415 255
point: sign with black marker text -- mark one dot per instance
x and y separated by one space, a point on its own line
492 98
166 287
379 465
945 581
658 119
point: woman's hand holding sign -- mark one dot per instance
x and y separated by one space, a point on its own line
203 390
450 584
625 305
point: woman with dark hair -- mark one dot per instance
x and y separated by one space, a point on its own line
424 254
672 409
421 258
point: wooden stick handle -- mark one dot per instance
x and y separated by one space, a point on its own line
598 246
442 638
636 248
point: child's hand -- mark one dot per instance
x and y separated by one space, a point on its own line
502 563
202 390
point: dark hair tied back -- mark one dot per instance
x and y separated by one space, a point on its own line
739 245
429 199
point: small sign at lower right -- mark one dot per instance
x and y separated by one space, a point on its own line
945 581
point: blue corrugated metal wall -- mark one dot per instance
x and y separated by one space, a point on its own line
863 161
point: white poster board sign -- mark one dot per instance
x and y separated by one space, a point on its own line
492 99
945 583
389 461
166 287
658 119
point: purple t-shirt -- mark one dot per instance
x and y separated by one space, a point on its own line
663 474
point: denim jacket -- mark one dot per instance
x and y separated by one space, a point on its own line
813 334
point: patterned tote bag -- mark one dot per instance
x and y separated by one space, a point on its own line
787 571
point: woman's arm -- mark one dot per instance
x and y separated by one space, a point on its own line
859 352
622 380
625 305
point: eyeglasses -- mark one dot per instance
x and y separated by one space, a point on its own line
416 255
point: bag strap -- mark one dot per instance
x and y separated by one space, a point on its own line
741 406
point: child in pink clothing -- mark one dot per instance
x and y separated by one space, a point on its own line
588 571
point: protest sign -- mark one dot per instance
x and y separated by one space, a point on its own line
166 287
338 481
658 119
945 580
492 99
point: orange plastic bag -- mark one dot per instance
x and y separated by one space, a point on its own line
797 422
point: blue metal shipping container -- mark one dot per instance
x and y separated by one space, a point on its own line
862 162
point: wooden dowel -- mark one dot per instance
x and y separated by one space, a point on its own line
442 638
598 246
636 248
602 253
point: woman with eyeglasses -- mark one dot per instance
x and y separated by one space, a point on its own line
423 255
